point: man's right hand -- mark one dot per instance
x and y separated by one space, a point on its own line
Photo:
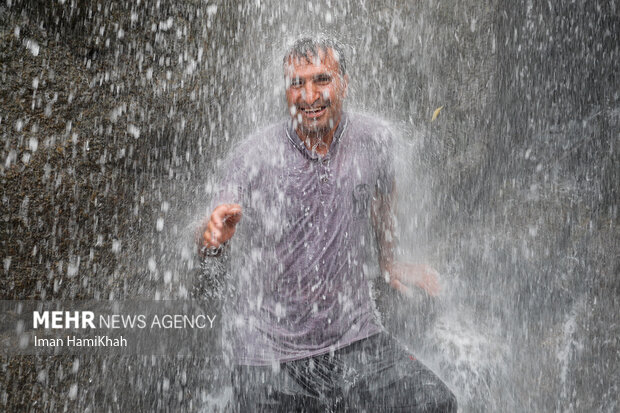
405 275
220 227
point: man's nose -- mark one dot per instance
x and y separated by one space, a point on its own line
310 94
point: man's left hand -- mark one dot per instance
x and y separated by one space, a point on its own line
404 276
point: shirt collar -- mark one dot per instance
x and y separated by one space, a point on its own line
294 139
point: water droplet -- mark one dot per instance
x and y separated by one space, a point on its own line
33 47
42 376
73 390
72 269
133 130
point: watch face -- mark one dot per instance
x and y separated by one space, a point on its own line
212 251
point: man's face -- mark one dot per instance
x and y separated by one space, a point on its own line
315 91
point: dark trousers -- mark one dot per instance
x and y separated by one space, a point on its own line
373 375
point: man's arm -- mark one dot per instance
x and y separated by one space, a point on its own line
210 237
400 275
383 224
218 229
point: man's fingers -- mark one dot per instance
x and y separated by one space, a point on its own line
233 219
227 214
233 215
431 271
401 288
418 275
431 287
218 216
430 284
220 226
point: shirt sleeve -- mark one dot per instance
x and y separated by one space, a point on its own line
386 173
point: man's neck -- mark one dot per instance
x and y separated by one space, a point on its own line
318 141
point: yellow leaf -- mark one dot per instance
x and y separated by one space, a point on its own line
436 113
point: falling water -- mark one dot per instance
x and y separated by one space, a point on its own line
115 114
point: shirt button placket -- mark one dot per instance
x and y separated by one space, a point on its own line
324 170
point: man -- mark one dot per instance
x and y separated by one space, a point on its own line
307 208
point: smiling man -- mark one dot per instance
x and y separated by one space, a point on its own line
316 88
304 210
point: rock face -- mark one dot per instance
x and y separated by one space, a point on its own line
103 106
114 115
110 115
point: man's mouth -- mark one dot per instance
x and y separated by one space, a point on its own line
314 112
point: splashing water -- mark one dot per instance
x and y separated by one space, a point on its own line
115 116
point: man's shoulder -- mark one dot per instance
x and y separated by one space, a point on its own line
374 128
366 121
261 137
268 131
258 147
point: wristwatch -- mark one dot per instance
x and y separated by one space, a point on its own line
213 251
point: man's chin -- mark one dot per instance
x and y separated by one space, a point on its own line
314 126
314 130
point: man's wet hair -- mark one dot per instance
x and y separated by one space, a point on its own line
308 48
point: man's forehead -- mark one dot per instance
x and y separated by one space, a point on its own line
325 58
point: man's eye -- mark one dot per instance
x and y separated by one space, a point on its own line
323 80
296 82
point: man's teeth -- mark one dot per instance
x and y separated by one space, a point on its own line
314 110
